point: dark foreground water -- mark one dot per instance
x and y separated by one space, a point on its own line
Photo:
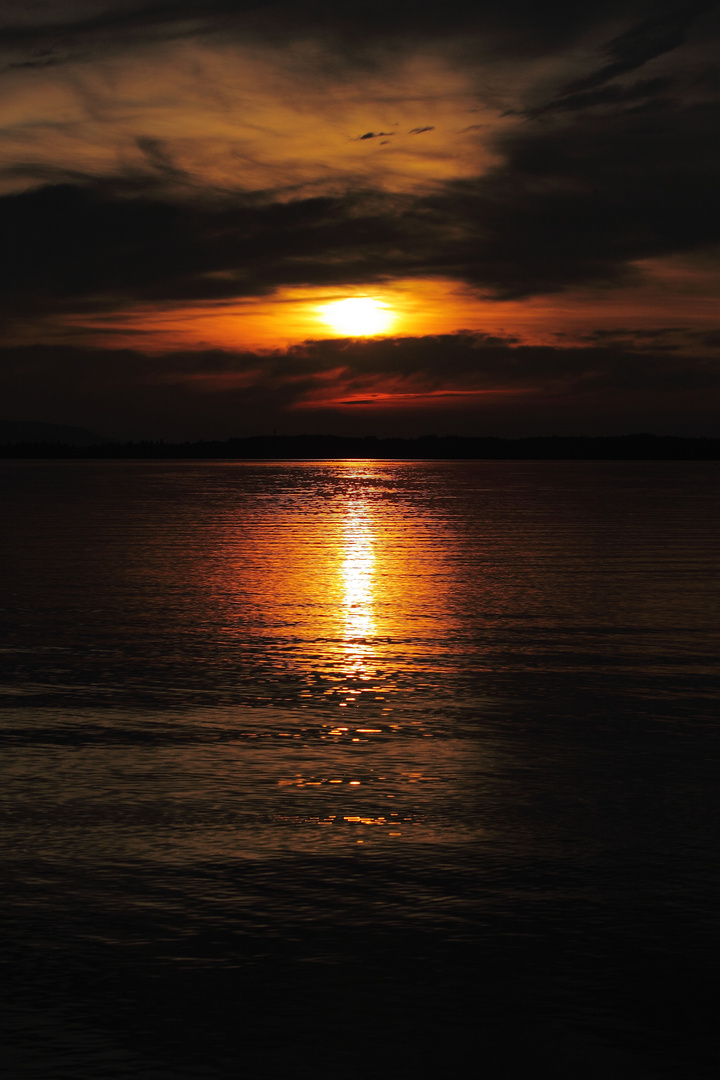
360 769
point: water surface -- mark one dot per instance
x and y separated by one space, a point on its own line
360 767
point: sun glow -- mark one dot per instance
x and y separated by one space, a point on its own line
358 316
413 307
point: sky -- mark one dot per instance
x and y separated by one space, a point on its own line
231 217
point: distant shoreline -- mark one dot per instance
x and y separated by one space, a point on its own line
428 448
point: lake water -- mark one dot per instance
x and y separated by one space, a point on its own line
360 769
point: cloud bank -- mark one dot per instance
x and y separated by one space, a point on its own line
462 383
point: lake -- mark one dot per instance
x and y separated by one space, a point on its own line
360 768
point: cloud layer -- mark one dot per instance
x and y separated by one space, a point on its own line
169 154
469 384
609 169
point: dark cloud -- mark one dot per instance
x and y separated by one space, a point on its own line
613 96
468 383
60 30
645 41
670 338
577 199
68 243
584 199
160 159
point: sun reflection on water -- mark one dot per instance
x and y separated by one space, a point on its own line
357 572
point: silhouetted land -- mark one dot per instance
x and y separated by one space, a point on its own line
429 447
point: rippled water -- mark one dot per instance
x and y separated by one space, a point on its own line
360 768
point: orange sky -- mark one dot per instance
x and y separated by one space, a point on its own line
670 291
197 183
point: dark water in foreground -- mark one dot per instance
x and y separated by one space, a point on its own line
360 769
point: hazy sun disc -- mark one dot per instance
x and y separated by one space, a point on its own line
358 316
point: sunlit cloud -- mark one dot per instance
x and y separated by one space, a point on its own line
300 210
254 118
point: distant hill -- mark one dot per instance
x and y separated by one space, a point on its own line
30 431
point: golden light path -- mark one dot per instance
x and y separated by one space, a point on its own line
357 573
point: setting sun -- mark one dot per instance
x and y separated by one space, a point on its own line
358 316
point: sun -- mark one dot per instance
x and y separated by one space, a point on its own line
358 316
